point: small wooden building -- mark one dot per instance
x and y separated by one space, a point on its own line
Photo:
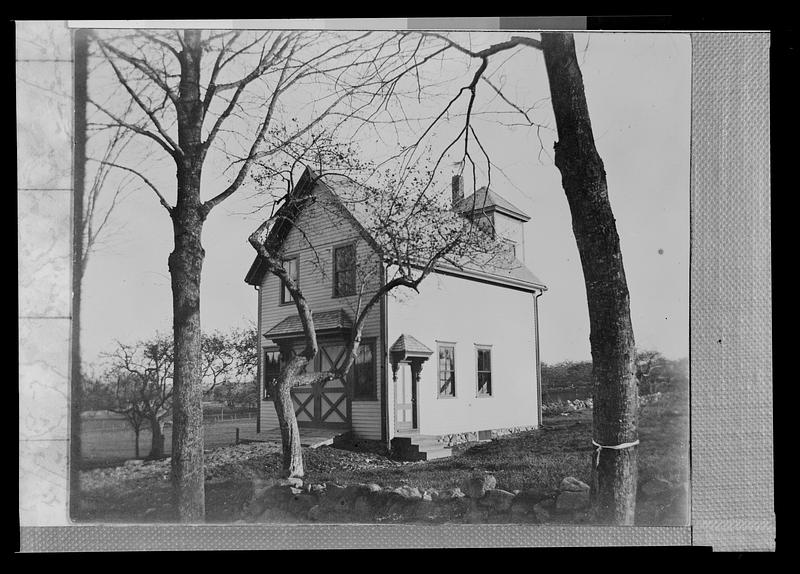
458 360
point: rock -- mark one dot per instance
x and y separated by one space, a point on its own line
497 499
302 501
476 485
410 492
656 487
293 481
572 484
334 491
317 488
362 505
475 515
532 496
541 513
294 490
374 487
449 494
255 508
571 500
315 512
134 462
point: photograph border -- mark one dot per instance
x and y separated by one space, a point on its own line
730 343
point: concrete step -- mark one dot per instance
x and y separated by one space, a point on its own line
433 454
420 447
417 439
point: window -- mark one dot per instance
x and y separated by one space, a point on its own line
293 269
363 372
486 224
272 369
344 271
484 372
447 371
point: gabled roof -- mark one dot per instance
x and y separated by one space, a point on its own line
324 322
507 270
487 200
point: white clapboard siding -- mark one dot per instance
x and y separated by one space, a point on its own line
320 228
367 419
269 418
503 321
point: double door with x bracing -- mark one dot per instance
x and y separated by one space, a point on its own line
325 405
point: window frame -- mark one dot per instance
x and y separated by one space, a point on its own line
283 292
264 351
478 393
373 395
439 345
334 249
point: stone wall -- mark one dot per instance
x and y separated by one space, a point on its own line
457 438
477 500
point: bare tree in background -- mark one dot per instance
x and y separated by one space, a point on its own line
200 94
141 376
138 379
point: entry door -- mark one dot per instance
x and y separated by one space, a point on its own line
404 395
324 405
331 402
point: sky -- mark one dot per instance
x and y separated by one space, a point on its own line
638 93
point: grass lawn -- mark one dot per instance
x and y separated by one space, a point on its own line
537 459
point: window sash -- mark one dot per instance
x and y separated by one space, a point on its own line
447 371
484 372
293 269
272 368
363 373
344 271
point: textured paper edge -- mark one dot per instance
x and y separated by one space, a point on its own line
716 510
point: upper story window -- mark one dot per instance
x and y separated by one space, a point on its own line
293 269
344 271
484 367
447 370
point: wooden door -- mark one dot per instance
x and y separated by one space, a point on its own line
404 399
332 407
326 404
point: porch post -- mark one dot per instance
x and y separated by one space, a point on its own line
416 370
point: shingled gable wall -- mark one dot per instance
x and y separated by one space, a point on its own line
326 227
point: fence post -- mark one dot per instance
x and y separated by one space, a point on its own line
237 435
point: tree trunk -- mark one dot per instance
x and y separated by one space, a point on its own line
290 433
81 51
185 266
157 440
136 433
583 177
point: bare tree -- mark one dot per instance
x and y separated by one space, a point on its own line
142 376
584 182
201 92
127 402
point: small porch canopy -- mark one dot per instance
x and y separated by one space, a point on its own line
407 348
336 322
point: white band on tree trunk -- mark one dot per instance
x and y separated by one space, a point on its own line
622 446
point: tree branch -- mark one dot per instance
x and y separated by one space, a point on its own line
161 198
